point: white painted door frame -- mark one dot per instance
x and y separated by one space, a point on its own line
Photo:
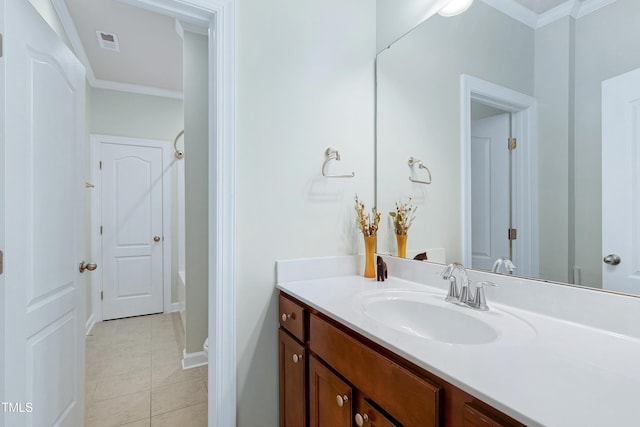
525 167
96 213
220 17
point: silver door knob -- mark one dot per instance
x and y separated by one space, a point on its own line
90 266
156 239
612 259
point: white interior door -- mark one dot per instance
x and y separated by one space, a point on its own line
132 230
44 311
621 182
489 190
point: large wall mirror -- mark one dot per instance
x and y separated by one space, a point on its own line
452 92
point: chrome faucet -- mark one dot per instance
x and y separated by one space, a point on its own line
503 262
464 296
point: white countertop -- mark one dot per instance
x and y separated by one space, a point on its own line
556 373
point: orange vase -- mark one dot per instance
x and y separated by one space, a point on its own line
369 249
401 239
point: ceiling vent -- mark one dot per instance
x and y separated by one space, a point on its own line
108 41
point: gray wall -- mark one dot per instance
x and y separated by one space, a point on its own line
305 82
419 114
196 148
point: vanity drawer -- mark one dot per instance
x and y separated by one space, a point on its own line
292 317
412 400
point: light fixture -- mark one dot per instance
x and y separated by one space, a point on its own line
455 7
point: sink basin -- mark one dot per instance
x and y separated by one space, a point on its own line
431 321
426 315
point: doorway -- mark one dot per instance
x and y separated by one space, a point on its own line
130 223
524 205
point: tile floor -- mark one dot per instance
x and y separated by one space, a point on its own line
134 375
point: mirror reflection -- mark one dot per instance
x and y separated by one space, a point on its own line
456 92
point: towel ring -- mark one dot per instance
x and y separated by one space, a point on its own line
413 161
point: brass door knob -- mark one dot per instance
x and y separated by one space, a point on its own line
156 239
297 358
90 266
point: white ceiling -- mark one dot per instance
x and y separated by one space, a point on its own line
150 56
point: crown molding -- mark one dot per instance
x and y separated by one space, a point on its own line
574 8
76 44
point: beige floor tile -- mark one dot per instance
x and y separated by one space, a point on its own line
119 411
96 369
141 423
177 396
192 416
120 385
172 373
126 363
165 355
89 391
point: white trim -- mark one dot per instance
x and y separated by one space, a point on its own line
525 157
96 248
176 307
138 89
193 360
90 323
574 8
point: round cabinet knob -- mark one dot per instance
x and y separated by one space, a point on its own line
297 358
285 317
612 259
156 239
341 400
361 419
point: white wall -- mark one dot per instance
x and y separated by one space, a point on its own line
553 77
606 46
305 82
419 114
196 139
395 18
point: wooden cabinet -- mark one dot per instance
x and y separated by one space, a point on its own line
292 362
293 384
330 398
331 376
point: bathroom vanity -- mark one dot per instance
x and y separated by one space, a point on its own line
353 351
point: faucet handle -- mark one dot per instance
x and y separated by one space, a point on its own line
453 295
480 301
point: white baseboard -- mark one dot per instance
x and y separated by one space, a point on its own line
176 306
193 360
89 325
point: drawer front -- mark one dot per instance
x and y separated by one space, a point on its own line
412 400
292 317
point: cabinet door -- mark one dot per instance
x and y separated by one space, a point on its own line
330 398
293 388
368 416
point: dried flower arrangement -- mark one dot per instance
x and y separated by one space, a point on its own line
403 217
368 226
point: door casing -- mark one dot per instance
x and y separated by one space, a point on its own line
96 209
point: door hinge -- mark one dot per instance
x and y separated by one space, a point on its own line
512 143
512 234
0 45
1 262
101 230
101 295
100 164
